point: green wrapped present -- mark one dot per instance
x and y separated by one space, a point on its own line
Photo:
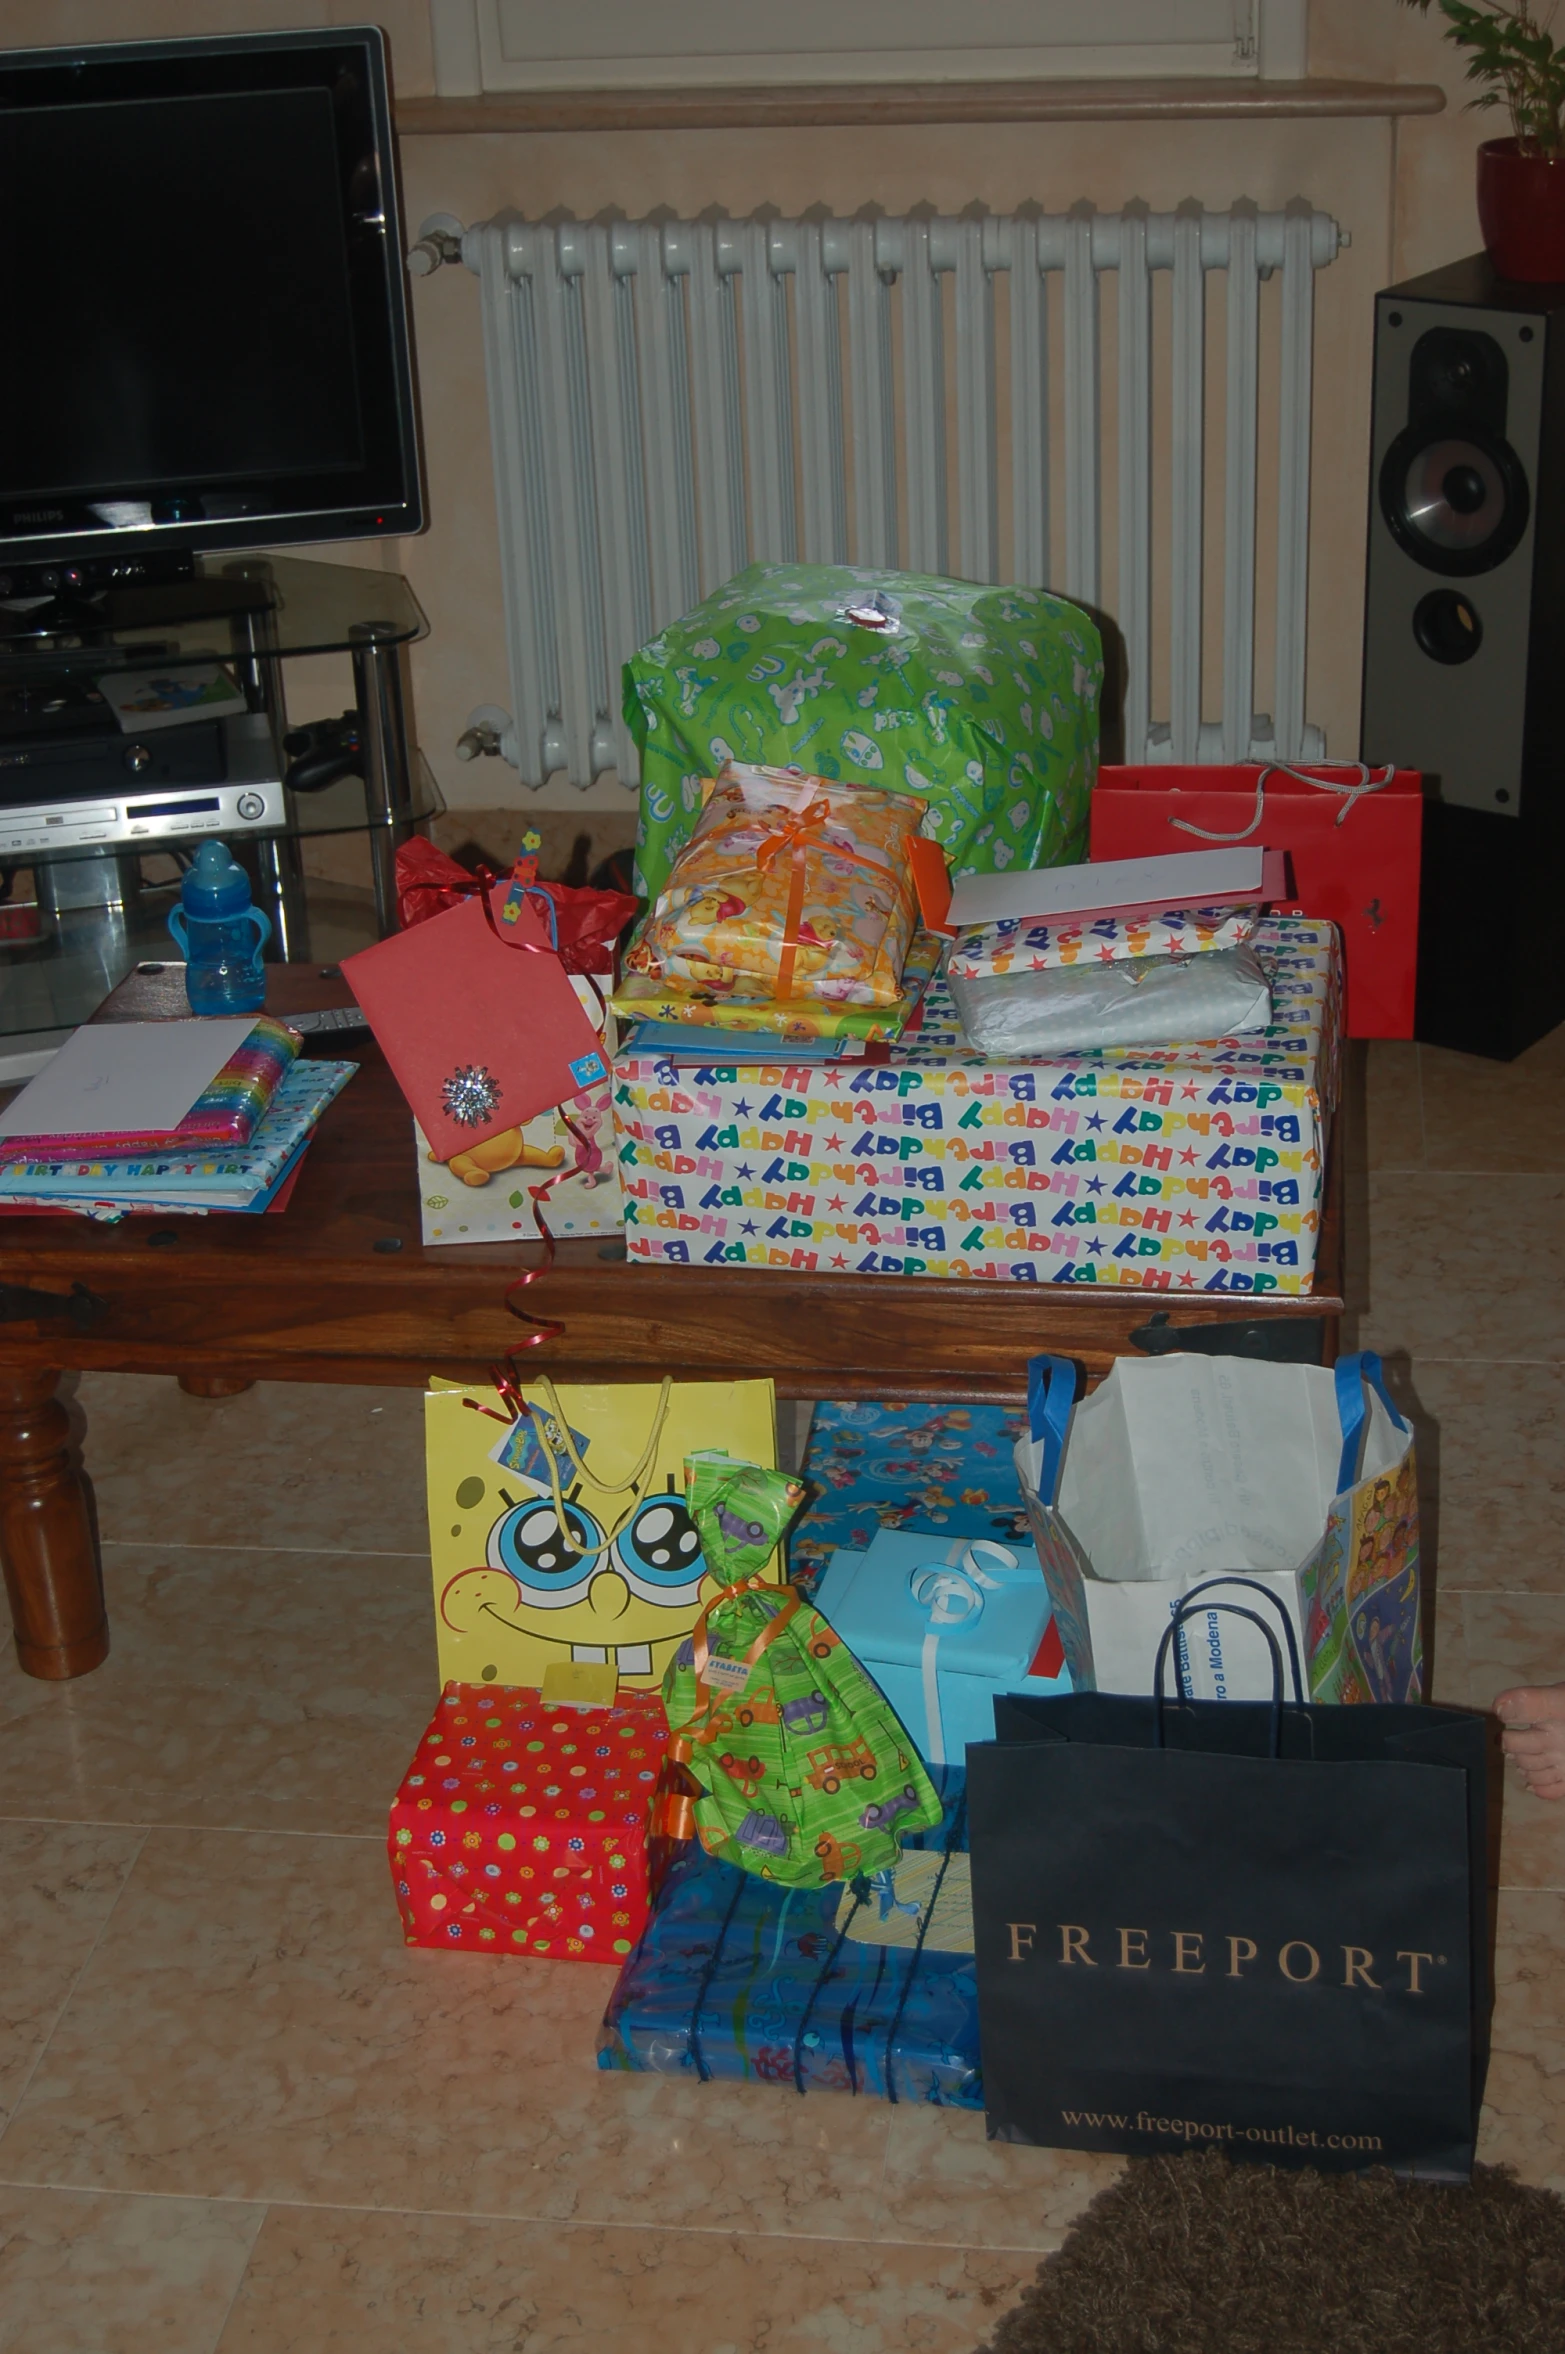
982 701
785 1759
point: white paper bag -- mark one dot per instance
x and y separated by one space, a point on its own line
1183 1470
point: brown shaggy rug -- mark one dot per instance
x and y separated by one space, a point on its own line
1191 2255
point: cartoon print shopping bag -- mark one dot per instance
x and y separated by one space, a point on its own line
784 1758
561 1532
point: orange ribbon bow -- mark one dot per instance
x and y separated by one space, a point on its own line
801 831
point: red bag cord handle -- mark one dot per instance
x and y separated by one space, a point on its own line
1367 782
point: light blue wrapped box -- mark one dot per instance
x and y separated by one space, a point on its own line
942 1626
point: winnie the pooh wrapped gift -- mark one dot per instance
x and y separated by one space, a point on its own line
982 702
789 888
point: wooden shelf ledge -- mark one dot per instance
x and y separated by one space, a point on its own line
861 105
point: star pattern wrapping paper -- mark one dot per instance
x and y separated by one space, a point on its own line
1168 1168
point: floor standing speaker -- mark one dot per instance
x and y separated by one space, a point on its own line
1464 637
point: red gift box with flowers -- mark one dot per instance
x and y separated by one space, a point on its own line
521 1828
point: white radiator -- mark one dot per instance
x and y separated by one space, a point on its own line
672 400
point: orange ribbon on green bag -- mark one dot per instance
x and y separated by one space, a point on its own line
673 1815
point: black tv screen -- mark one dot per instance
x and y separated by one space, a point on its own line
201 280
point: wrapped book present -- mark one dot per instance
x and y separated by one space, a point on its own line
790 887
224 1114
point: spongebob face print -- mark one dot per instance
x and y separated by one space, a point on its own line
619 1576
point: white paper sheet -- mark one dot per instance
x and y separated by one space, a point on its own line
111 1078
1183 878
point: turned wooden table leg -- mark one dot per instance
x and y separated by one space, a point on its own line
47 1542
212 1385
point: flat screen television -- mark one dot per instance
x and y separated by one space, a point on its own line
201 283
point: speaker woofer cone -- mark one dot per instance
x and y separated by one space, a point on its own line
1456 502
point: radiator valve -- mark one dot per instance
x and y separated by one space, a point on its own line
439 240
488 735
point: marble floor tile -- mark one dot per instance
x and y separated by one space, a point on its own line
1519 1639
1491 1460
252 1689
1524 2104
1393 1105
1482 1115
1512 1639
315 1464
1445 1654
946 2182
83 2274
253 2027
384 2284
1467 1266
59 1882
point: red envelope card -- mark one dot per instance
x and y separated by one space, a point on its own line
481 1033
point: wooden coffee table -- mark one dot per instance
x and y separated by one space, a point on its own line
339 1288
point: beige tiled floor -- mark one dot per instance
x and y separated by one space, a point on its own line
240 2115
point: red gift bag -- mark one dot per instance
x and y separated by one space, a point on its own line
1353 842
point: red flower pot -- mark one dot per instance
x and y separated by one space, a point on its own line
1521 211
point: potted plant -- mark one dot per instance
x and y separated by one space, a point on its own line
1517 64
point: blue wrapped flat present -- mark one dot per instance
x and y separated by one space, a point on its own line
873 1466
942 1626
735 1977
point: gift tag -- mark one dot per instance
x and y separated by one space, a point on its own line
728 1676
580 1683
900 1898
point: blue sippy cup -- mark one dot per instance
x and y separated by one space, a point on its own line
220 935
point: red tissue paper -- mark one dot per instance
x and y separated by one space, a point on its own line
587 922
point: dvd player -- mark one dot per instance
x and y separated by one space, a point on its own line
245 797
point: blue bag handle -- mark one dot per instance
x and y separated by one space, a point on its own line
1236 1610
1051 1399
1351 1374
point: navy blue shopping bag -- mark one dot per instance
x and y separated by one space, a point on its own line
1250 1926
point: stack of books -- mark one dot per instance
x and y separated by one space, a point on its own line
184 1117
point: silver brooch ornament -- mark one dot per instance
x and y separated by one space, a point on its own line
471 1096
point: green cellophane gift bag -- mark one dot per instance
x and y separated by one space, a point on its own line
784 1758
981 701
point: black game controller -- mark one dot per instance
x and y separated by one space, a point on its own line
322 753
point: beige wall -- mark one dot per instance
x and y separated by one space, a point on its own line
1402 189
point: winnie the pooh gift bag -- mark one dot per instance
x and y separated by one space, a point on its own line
784 1758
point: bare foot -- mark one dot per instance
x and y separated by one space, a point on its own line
1534 1719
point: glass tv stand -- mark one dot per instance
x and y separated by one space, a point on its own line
83 830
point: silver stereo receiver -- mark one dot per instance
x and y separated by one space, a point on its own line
248 800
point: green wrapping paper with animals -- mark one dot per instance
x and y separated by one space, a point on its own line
784 1758
982 702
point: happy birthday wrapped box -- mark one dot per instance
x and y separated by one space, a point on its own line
523 1829
1189 1168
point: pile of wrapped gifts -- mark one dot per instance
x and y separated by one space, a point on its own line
1066 1762
816 1788
176 1117
878 1012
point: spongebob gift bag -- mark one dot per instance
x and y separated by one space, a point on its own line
797 1769
564 1534
982 702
